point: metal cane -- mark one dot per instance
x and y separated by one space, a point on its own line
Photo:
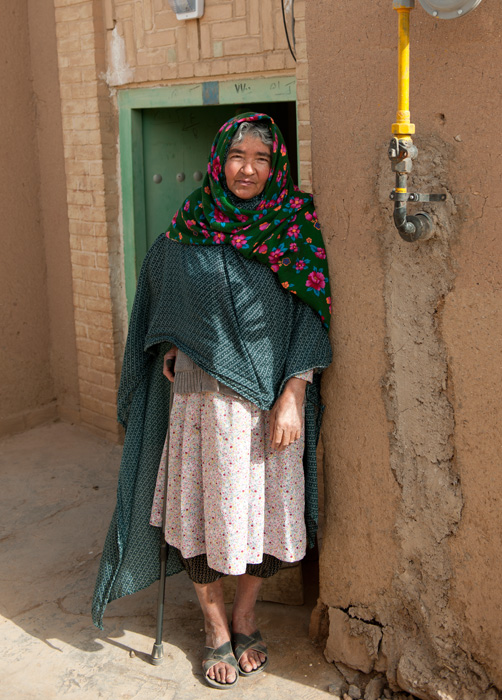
158 648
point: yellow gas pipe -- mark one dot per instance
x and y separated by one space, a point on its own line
401 150
403 128
411 227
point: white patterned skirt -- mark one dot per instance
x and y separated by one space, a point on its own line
229 495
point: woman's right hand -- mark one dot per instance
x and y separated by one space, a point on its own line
168 369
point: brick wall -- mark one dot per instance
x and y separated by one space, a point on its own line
233 36
302 98
107 44
89 132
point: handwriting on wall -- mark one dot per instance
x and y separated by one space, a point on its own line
242 87
277 87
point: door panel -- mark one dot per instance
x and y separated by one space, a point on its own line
176 145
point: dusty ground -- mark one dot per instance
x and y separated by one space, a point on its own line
57 495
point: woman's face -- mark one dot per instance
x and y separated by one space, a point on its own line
247 167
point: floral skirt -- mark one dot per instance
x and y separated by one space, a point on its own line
229 495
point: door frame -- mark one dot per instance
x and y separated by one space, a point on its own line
131 103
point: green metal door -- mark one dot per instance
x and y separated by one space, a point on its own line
176 145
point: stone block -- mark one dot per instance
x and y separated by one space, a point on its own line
255 64
227 30
267 27
240 46
215 12
81 58
91 274
338 688
202 69
67 14
102 305
351 675
193 42
159 39
237 65
374 688
274 61
353 642
85 27
219 67
152 57
186 70
102 364
205 41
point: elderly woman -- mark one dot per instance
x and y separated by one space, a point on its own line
237 293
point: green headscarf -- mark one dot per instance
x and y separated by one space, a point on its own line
282 232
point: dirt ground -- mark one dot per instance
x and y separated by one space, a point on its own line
57 496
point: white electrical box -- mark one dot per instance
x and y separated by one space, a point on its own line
187 9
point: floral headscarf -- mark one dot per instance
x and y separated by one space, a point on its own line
282 232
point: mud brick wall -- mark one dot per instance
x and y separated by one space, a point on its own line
37 352
90 135
148 45
233 37
411 577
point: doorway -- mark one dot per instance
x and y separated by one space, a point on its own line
165 138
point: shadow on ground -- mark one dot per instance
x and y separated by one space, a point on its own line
57 497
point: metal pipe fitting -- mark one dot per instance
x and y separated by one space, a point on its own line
402 150
411 227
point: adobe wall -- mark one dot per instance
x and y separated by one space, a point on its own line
410 574
38 371
52 202
148 45
26 387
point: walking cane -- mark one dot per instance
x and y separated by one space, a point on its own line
158 648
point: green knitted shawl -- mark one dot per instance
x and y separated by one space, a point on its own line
234 319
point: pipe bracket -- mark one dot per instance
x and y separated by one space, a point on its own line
416 197
411 227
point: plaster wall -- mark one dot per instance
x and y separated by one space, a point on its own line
410 573
38 371
26 386
52 202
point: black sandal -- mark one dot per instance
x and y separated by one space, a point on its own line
212 657
242 643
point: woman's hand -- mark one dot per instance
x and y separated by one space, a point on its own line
168 368
286 415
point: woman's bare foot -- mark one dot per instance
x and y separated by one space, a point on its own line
251 659
220 672
243 618
210 597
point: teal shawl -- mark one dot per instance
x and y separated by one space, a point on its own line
235 320
282 233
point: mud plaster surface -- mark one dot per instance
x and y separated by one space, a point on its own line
424 311
421 645
423 655
37 352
